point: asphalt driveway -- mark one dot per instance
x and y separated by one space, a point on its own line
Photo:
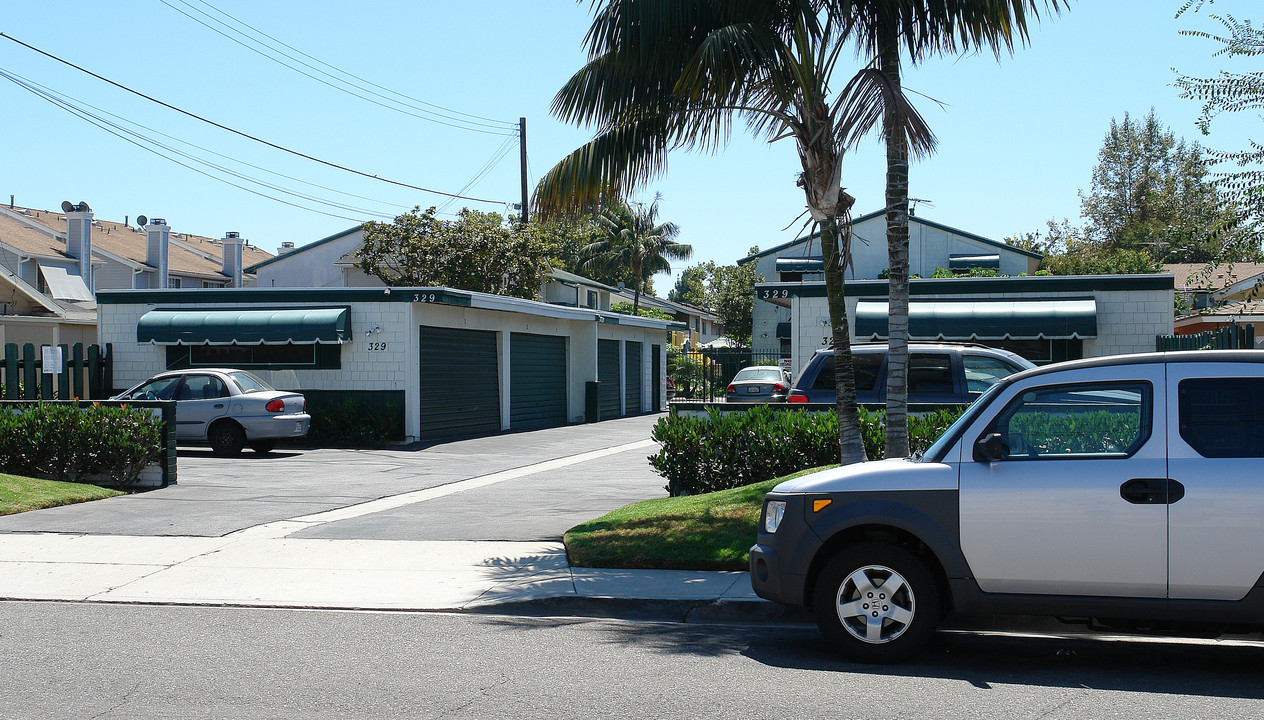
584 471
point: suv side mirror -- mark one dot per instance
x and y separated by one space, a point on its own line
989 448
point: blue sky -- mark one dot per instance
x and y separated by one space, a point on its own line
1018 137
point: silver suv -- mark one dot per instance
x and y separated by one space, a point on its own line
939 373
1123 489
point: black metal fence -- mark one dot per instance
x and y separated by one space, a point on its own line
1229 337
704 374
85 373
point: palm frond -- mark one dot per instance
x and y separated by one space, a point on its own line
869 95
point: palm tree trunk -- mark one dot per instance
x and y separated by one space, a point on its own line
897 440
834 245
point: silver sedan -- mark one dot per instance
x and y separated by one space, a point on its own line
226 408
759 383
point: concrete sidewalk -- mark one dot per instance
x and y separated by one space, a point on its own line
262 567
358 554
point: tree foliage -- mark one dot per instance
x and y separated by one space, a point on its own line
691 287
478 251
1231 92
1151 193
649 312
1068 251
633 242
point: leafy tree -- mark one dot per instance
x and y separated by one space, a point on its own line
690 287
731 296
1232 92
626 309
1150 192
1067 251
633 241
478 251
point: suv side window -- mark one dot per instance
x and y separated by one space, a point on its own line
1222 417
930 374
1089 420
983 372
867 366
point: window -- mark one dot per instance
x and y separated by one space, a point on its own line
592 299
866 365
173 282
160 389
983 372
1223 417
262 357
202 387
929 374
1099 420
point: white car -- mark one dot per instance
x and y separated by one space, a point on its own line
1120 491
226 408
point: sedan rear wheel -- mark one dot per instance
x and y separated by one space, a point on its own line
227 438
877 603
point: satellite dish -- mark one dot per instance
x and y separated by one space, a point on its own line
66 206
142 220
83 207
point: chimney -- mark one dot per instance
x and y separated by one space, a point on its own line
232 258
157 234
286 247
79 239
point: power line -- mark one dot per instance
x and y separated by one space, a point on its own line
457 123
497 155
507 124
246 135
140 141
81 104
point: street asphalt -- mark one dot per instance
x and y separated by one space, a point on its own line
469 525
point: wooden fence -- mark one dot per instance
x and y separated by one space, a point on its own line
1229 337
84 373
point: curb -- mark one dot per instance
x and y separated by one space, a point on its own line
743 612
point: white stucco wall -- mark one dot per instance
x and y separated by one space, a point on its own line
385 336
1127 320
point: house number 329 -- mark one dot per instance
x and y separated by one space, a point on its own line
377 346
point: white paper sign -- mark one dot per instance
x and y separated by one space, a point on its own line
52 359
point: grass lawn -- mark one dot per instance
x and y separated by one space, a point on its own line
697 532
19 494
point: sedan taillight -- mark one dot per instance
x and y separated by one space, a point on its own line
797 397
731 389
275 406
778 388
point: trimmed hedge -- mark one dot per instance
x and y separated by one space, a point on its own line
728 450
64 442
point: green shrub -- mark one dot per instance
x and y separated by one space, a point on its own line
61 441
349 422
728 450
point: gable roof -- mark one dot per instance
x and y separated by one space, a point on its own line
42 233
305 248
913 219
1208 276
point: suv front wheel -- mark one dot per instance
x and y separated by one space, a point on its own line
877 603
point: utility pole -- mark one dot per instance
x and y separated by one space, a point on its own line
522 160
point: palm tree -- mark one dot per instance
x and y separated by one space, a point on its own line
924 29
635 245
674 75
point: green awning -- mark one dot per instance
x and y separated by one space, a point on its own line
809 265
969 262
300 326
985 319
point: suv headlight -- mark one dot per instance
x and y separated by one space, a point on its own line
774 510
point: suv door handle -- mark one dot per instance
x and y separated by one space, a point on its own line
1152 491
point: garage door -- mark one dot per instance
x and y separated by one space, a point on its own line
460 385
632 377
608 376
537 381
